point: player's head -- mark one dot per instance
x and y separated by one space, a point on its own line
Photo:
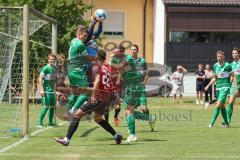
101 55
200 66
60 61
207 66
235 53
82 33
119 52
220 56
134 49
51 59
120 49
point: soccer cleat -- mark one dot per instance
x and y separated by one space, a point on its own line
51 125
131 138
213 101
210 126
116 121
206 105
197 102
40 126
224 125
201 102
61 141
151 124
118 139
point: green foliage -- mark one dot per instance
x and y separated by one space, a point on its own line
68 13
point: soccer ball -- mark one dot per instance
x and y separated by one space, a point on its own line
101 14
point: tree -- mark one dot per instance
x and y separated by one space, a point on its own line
68 13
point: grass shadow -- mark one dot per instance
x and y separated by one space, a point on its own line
87 132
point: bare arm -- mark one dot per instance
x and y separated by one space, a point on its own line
211 82
89 58
118 79
40 85
95 86
145 79
184 69
118 66
234 77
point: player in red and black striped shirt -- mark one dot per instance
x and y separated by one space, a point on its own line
99 101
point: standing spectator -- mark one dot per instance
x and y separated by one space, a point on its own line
177 81
61 81
208 77
200 77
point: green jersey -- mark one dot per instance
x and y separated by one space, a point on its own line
76 53
141 67
49 78
130 75
223 73
236 70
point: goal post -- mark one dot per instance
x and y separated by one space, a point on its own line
25 102
26 37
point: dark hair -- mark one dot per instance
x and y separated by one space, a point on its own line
101 54
121 48
134 45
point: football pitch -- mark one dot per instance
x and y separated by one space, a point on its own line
180 133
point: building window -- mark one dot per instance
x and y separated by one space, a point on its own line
113 25
204 37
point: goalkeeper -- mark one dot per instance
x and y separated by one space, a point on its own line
76 72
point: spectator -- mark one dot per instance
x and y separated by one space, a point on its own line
200 77
208 77
177 82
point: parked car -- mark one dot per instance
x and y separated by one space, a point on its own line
158 85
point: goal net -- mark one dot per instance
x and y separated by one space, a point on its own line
42 38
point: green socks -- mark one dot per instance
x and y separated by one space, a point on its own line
71 101
215 115
50 116
142 115
229 112
224 115
80 101
42 114
131 123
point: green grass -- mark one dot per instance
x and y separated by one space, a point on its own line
182 136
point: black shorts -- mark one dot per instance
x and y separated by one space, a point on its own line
99 107
199 87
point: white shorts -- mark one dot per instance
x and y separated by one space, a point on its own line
178 89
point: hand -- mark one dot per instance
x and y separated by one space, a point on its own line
94 17
236 92
115 51
143 108
93 100
206 88
42 93
118 81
